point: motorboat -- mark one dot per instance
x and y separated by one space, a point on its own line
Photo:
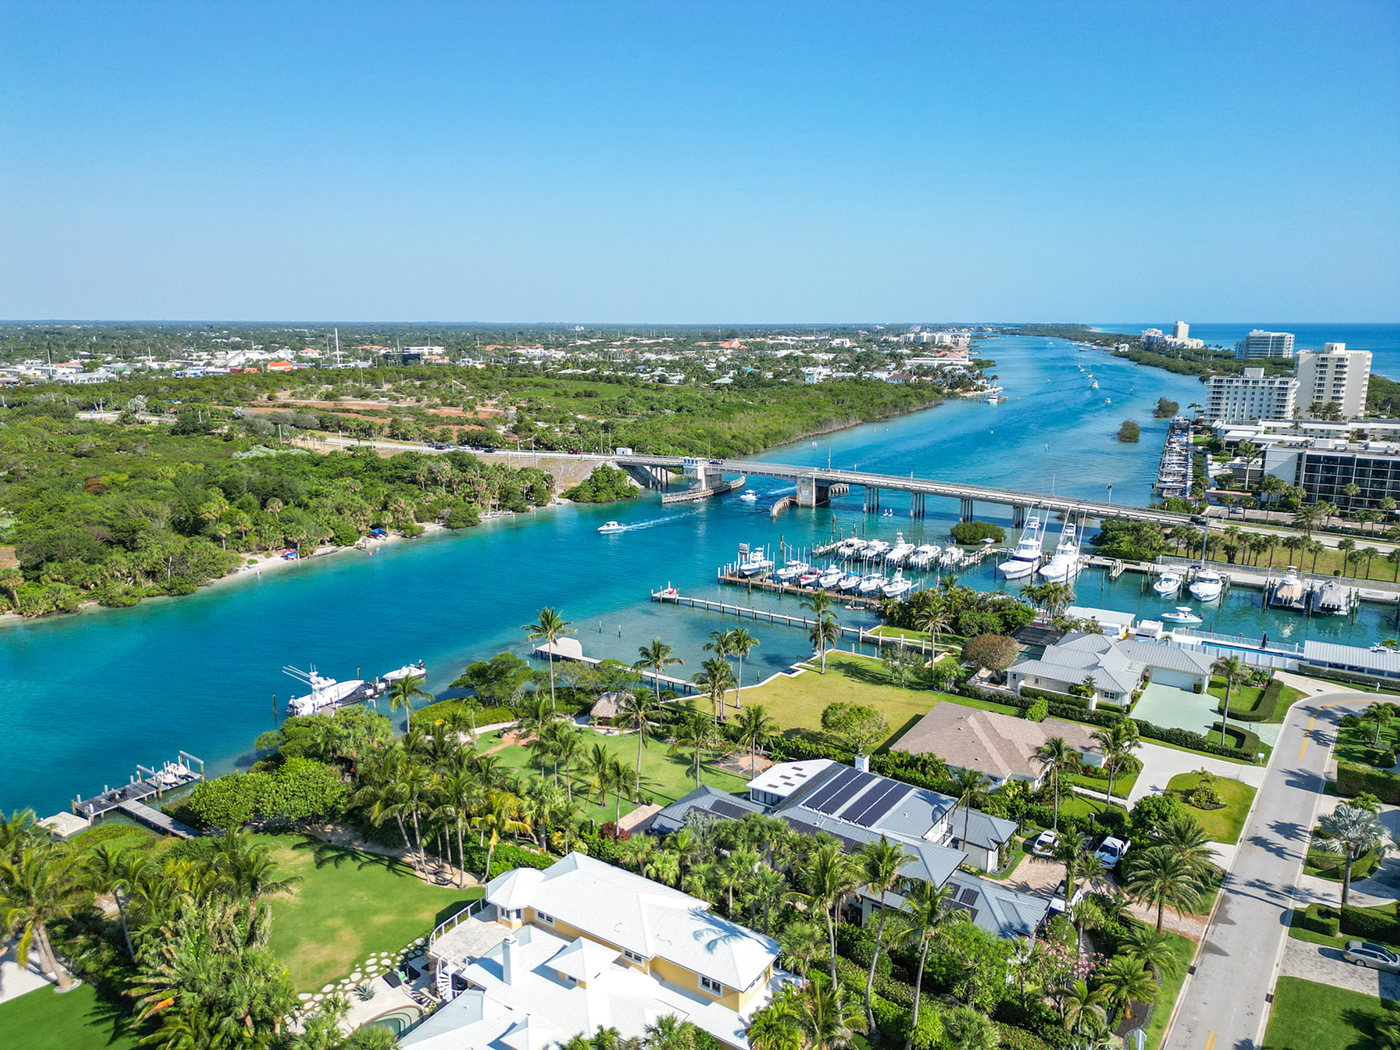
1291 592
754 563
1182 614
792 570
848 582
749 497
899 552
1207 585
1029 550
1064 564
612 526
897 587
326 693
829 579
925 555
418 670
992 399
872 583
1168 584
809 577
951 556
876 550
1331 598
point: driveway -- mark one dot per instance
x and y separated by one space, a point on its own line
1224 999
1160 764
1166 705
1325 965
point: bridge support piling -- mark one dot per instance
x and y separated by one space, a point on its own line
1018 517
965 512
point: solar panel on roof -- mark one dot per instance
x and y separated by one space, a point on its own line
878 807
971 912
867 801
968 896
853 787
829 788
729 809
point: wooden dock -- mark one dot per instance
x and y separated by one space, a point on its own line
154 818
144 783
778 587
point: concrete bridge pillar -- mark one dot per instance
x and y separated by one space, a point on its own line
811 492
965 513
1018 517
872 500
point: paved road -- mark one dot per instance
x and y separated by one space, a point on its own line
1223 1003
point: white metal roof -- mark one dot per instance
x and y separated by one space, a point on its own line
784 778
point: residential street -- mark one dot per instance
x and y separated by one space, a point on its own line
1223 1003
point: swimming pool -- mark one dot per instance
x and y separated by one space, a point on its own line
397 1021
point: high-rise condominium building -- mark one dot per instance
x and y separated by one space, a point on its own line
1260 343
1181 330
1334 376
1240 398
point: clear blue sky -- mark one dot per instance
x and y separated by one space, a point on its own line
672 162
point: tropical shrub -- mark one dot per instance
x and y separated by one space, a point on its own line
971 532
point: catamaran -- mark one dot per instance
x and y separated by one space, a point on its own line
1029 550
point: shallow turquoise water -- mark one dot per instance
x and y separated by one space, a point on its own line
88 696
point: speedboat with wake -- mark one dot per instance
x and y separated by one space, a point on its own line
612 526
749 497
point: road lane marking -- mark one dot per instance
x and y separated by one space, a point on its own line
1210 1041
1307 733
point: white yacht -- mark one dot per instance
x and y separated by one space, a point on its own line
849 582
612 526
326 693
1207 585
992 399
829 579
754 563
871 584
899 552
418 670
951 556
1064 565
792 570
1167 584
809 578
925 555
1029 550
876 550
897 587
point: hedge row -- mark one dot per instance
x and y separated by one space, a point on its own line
1331 675
1267 702
1374 924
1320 919
488 716
1063 699
1249 740
1353 779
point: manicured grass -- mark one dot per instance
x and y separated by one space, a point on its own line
1354 744
1079 806
1222 825
1185 950
1244 699
348 905
797 703
1311 1016
1332 866
1122 783
79 1020
664 777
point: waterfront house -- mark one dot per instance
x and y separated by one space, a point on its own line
1115 668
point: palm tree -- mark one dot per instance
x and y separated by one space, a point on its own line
824 633
1381 715
825 629
881 863
34 891
801 941
406 690
833 877
1158 877
933 622
656 657
970 788
1151 950
721 643
248 870
1234 672
1081 1005
551 627
1352 832
500 816
1124 981
1054 755
462 795
752 725
1183 836
717 678
694 731
638 712
824 1016
930 915
1118 742
568 750
622 780
596 768
109 869
741 643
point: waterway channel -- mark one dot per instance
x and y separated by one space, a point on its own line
88 696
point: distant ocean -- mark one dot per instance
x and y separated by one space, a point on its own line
1383 340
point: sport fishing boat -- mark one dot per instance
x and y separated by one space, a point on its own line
925 555
849 582
1167 584
829 579
1291 592
792 570
749 497
418 670
871 584
754 563
612 526
809 577
1063 565
876 550
326 693
1207 585
1028 552
897 587
1182 614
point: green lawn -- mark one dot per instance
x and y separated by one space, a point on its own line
1310 1016
1354 744
1244 699
79 1020
1185 949
1122 783
1222 825
664 777
1079 806
349 905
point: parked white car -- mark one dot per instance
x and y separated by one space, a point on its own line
1057 899
1045 844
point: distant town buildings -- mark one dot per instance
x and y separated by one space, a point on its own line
1253 395
1260 343
1180 339
1334 376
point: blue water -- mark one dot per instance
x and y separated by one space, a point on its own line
88 696
1383 340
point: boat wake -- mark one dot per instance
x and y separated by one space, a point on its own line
651 524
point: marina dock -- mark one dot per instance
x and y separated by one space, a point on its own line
154 818
144 783
778 619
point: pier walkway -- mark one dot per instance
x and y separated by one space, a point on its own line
154 818
145 783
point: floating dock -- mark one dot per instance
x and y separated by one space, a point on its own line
144 783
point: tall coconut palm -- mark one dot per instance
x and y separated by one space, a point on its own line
716 678
461 795
109 869
656 657
1160 878
824 1016
695 731
550 626
833 877
741 643
751 726
500 816
248 870
569 748
970 788
1352 832
596 766
1117 742
881 865
826 629
1054 756
34 891
1234 671
639 712
721 643
406 690
930 916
